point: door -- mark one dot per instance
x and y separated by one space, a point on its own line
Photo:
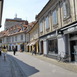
22 47
16 48
72 44
42 47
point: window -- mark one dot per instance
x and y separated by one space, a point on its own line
0 40
41 26
21 37
12 39
15 38
54 17
3 39
52 46
47 22
66 8
7 39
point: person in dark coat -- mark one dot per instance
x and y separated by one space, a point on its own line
14 50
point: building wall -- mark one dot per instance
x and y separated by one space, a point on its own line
27 37
12 41
34 33
65 17
61 21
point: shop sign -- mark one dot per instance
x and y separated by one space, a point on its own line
53 35
48 36
18 43
71 29
76 27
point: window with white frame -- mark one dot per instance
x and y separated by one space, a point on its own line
66 9
55 17
22 37
41 26
12 39
15 38
7 39
47 22
3 40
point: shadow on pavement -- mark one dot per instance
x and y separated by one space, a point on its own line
25 68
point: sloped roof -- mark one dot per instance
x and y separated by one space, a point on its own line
19 27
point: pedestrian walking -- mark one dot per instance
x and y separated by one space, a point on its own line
4 52
0 51
14 50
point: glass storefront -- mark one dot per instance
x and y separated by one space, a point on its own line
52 46
73 46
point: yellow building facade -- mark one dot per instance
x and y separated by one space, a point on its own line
33 39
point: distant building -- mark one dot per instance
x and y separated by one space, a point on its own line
12 22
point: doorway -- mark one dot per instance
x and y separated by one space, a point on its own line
42 47
22 47
9 48
72 44
16 48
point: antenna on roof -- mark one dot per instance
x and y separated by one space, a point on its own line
26 18
16 15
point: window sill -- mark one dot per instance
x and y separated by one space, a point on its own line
66 18
41 32
55 25
47 29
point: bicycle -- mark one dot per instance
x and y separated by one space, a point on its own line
59 58
63 59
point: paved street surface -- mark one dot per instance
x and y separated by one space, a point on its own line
25 65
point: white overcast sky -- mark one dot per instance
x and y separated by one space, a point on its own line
25 9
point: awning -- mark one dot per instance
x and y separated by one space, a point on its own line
32 43
28 44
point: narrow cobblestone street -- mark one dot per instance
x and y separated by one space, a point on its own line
25 65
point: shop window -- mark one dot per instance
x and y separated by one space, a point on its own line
52 47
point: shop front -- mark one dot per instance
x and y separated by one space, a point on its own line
73 46
22 47
70 34
52 47
31 45
48 45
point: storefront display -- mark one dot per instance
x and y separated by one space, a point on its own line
52 46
